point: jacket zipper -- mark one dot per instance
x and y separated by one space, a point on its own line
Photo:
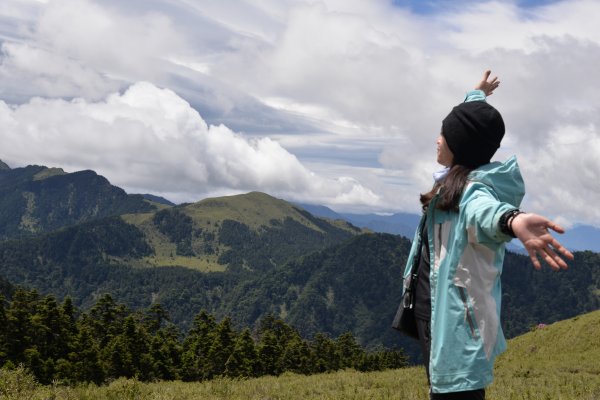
463 296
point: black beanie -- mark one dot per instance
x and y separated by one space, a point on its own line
473 131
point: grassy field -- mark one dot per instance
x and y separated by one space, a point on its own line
560 361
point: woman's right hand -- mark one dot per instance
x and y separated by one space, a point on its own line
533 231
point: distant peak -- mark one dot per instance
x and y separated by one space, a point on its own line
48 173
3 166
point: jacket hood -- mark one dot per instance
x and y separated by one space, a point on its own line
504 177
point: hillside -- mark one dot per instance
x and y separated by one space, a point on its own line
36 199
567 346
355 286
186 257
253 231
244 256
559 361
351 286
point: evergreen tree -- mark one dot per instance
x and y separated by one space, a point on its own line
128 352
324 355
87 365
348 351
242 361
221 347
297 357
106 319
196 345
166 353
3 331
19 335
155 318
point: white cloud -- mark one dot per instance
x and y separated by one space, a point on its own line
342 87
151 138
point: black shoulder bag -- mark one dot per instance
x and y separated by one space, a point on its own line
405 321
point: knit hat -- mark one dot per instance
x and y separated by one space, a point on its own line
473 131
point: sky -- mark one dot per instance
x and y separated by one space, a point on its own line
330 102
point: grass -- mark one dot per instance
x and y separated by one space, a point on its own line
255 209
47 173
165 252
558 362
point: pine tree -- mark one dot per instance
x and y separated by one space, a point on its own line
87 366
3 331
242 361
323 354
196 345
155 318
269 354
18 325
106 319
348 351
166 353
221 347
296 356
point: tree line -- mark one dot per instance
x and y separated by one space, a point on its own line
56 341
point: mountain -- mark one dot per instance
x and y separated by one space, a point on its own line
399 224
158 199
578 238
253 231
187 257
350 286
353 286
582 237
244 256
37 199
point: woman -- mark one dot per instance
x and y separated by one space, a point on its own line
469 215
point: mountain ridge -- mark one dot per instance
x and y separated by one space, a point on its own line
249 255
37 199
580 237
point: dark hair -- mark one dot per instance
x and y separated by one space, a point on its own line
450 189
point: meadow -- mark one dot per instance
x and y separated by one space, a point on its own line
555 362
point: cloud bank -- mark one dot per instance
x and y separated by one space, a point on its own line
325 101
150 139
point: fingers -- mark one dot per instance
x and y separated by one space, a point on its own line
555 227
553 259
561 249
550 256
534 259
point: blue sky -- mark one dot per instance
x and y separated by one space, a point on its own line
333 102
432 7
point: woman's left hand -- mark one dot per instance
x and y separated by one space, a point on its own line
533 231
486 85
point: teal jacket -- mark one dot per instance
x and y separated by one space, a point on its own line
467 252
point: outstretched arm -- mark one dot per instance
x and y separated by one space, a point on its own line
533 231
486 84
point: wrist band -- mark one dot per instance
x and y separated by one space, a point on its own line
505 223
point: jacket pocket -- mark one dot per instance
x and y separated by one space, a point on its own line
468 314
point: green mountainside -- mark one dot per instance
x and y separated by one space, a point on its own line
37 199
253 232
352 286
557 361
186 257
242 256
